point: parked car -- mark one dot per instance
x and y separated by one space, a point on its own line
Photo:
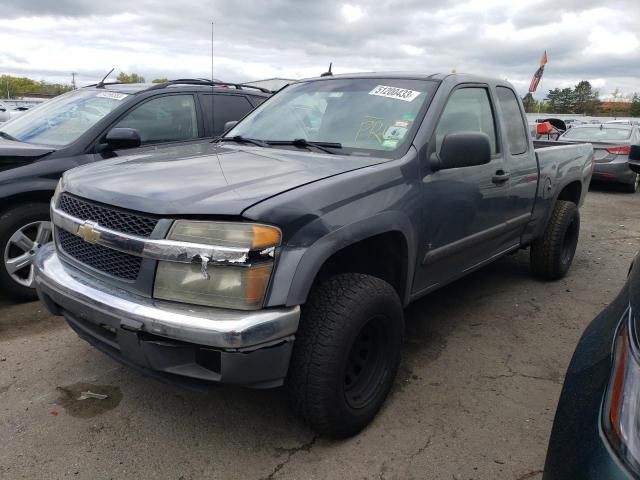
5 112
596 432
612 143
620 122
285 252
91 124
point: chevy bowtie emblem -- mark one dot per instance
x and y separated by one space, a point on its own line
88 232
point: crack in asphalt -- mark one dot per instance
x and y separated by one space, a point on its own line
528 475
290 453
422 449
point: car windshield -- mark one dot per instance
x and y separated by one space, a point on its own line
362 116
62 120
597 134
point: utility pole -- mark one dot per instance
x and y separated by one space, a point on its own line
73 79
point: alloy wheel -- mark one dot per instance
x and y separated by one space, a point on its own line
21 250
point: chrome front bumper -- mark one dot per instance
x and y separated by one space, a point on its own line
62 287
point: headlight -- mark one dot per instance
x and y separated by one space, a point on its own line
223 285
622 402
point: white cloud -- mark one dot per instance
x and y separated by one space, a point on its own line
413 50
352 13
607 42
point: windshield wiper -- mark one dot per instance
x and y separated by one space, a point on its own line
303 143
8 137
241 139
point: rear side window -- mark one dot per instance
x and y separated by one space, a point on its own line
516 134
225 109
468 110
170 118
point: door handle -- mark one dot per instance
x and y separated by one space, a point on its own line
500 177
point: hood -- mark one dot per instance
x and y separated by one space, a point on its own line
10 148
15 154
204 179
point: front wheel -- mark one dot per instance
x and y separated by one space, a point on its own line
346 353
552 254
23 230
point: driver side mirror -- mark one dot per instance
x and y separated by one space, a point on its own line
634 158
229 125
119 138
462 149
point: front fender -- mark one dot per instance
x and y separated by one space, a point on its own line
298 266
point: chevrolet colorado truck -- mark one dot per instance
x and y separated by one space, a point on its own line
283 252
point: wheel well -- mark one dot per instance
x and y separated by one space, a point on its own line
43 196
571 192
383 256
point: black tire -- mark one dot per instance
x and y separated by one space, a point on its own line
11 221
632 187
551 255
346 353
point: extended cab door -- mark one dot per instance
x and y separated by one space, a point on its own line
520 159
465 210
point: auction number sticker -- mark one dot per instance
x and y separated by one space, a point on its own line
394 92
112 95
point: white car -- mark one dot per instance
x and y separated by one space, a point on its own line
5 112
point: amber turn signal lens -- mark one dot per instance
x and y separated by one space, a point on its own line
265 236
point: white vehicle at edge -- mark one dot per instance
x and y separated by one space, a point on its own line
5 112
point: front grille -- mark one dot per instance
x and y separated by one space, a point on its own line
107 217
113 262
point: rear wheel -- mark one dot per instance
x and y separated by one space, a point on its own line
346 353
551 255
23 230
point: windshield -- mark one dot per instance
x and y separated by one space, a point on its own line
365 116
62 120
596 134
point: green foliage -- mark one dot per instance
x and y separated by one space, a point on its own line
160 80
582 99
635 105
23 86
130 78
530 103
585 98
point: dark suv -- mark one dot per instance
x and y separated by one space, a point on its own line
93 123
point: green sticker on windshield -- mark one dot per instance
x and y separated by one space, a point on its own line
408 117
390 144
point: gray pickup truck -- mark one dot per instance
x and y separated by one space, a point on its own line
284 252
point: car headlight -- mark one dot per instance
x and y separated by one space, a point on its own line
241 286
621 412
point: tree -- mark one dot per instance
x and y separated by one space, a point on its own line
160 80
22 86
635 105
585 98
553 100
530 103
130 78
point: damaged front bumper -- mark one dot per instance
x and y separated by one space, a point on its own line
189 345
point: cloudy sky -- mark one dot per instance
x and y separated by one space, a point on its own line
596 40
